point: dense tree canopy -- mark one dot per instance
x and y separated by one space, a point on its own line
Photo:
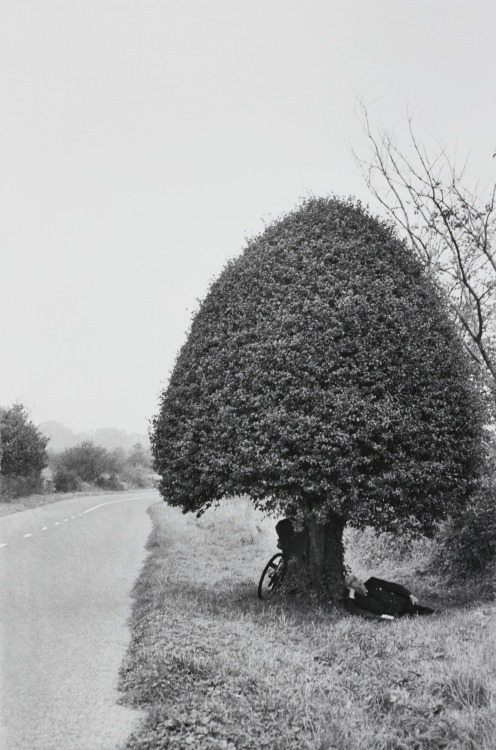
87 460
23 446
322 373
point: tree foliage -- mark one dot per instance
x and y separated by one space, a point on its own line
23 446
322 375
94 464
138 456
466 545
86 461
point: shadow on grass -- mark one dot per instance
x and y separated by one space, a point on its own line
215 667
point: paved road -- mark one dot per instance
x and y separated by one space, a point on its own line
66 573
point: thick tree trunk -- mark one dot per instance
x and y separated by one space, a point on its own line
318 559
326 557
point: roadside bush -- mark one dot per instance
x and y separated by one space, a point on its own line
88 465
467 544
12 487
66 480
467 541
109 482
137 476
87 461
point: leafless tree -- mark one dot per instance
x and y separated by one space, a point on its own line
451 229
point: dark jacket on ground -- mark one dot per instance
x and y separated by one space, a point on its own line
384 598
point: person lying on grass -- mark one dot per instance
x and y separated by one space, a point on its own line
380 599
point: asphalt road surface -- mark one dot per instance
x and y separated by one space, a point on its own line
66 575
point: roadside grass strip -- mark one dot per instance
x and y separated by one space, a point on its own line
9 506
213 667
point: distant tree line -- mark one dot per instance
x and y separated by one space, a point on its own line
27 465
90 464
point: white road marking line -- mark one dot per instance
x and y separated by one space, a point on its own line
110 502
89 510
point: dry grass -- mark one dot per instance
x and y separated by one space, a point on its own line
216 668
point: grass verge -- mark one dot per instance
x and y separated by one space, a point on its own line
213 667
7 507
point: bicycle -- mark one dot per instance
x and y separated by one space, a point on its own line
272 576
275 570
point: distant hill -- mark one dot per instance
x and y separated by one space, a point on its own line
62 437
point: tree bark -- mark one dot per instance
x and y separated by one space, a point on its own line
326 557
319 559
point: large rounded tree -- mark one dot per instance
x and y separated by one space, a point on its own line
322 377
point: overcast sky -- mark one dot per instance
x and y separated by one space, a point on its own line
142 142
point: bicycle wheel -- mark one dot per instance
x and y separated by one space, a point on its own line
272 576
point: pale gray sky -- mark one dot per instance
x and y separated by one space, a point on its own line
141 142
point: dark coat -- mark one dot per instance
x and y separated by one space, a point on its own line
292 544
384 598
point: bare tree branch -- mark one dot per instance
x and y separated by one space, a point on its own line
451 230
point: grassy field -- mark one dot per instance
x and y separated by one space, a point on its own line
213 667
